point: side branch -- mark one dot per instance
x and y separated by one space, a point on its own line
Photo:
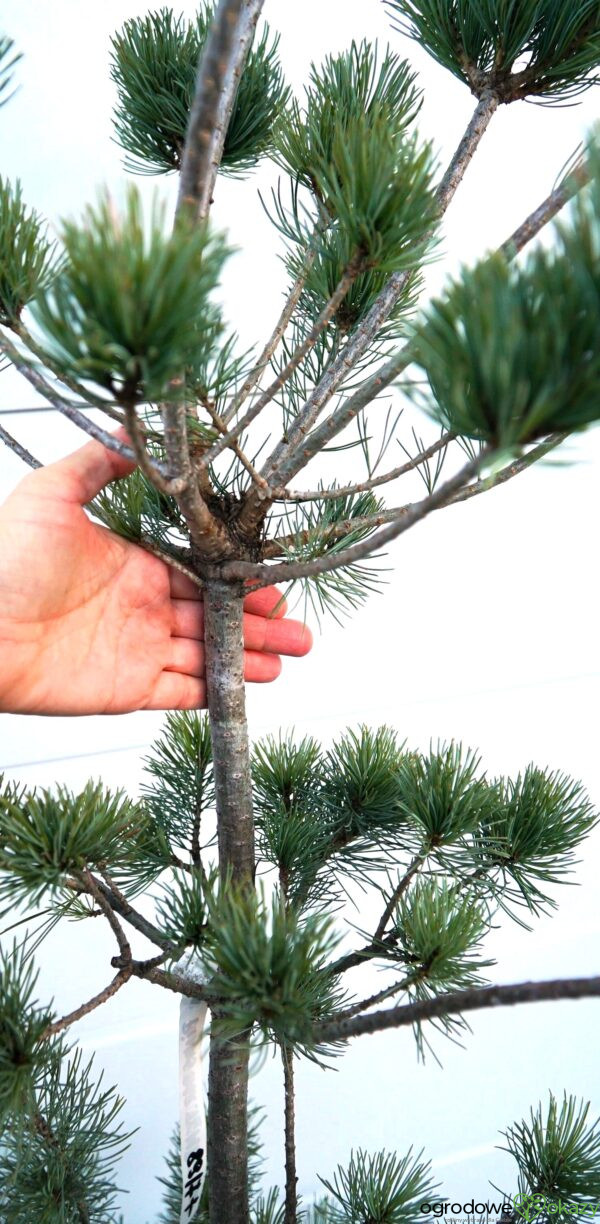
288 309
511 470
456 1002
121 906
283 464
277 546
364 486
546 211
325 317
266 574
79 1012
391 369
66 409
19 450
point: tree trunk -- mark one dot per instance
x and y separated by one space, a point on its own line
227 1146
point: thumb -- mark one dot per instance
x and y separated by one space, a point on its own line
82 474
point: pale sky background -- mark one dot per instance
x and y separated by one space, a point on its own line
486 632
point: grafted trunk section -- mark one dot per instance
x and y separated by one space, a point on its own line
227 1148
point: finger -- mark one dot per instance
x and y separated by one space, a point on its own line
181 586
187 618
173 691
288 637
187 656
281 636
82 474
268 601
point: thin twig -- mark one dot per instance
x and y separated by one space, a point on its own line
149 546
398 892
219 422
288 309
217 82
92 887
18 449
316 330
90 398
456 1003
364 486
58 1025
356 1008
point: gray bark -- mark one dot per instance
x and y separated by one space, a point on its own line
227 1148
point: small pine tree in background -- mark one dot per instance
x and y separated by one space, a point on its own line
123 317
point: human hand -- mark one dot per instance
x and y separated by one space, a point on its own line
91 623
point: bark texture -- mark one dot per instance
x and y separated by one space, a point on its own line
227 1146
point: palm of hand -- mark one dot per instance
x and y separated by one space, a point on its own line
88 615
91 623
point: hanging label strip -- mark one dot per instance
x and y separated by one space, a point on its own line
192 1018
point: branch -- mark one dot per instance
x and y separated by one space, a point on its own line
266 574
218 78
574 182
19 450
370 951
390 370
58 1025
206 531
483 113
177 982
121 906
364 1004
363 487
69 410
318 327
144 459
284 462
265 357
291 1178
94 401
277 546
398 892
457 1002
92 887
511 470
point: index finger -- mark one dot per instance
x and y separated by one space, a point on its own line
267 601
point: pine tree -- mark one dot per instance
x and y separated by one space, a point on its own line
123 317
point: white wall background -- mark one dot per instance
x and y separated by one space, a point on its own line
486 632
